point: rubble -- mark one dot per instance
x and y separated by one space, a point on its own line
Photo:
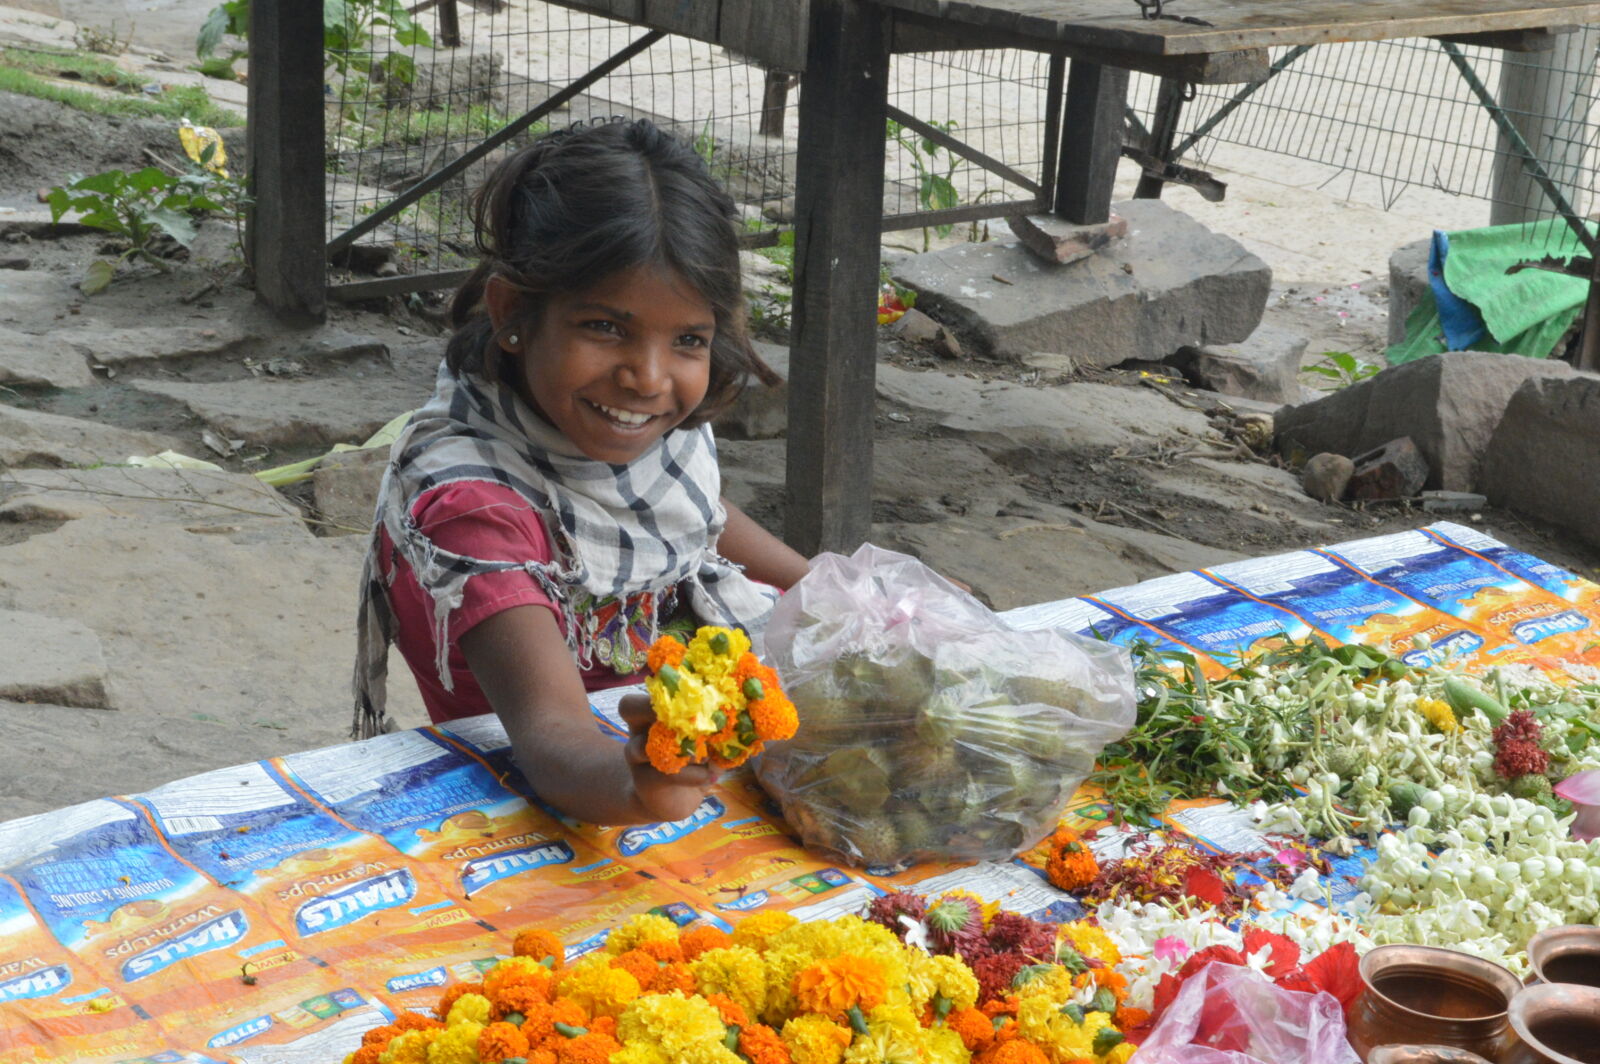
1544 460
1396 470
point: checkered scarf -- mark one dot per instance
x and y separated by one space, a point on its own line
618 530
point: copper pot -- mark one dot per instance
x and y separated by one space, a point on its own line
1423 995
1423 1055
1555 1023
1569 954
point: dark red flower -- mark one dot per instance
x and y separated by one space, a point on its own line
995 973
1517 749
1285 954
1034 939
888 909
1337 971
1200 958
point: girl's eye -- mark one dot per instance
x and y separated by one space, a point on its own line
603 325
693 340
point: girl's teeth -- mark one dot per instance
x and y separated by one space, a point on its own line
627 417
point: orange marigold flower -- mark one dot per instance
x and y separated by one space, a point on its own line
1112 980
1071 865
701 938
665 651
603 1025
539 944
976 1029
542 1056
516 970
500 1041
519 997
995 1007
539 1023
662 949
662 746
369 1054
1015 1051
416 1021
730 1010
670 977
380 1034
451 995
588 1048
831 987
760 1044
638 964
1128 1017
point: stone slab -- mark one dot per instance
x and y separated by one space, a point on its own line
1264 366
1544 459
1055 239
27 360
344 489
51 659
29 438
294 413
1169 283
1448 404
1408 280
120 346
1005 416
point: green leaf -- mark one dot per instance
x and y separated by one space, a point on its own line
96 277
176 224
109 182
221 67
942 194
60 201
151 178
211 31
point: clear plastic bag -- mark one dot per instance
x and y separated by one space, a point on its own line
1230 1014
929 729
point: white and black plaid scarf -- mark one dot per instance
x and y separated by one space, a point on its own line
618 530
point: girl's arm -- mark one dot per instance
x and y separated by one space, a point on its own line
764 556
524 667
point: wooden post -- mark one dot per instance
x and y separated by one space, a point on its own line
449 24
1546 95
285 227
1091 141
838 212
1164 129
774 102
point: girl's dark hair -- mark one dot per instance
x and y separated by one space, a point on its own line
579 205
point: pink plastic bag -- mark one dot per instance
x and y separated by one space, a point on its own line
1230 1014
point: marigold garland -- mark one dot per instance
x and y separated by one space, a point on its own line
713 700
777 991
1071 865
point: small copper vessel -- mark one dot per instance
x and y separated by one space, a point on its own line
1423 1055
1426 996
1569 954
1555 1023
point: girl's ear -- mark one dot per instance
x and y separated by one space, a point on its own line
502 301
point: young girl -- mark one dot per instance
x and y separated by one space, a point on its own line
556 503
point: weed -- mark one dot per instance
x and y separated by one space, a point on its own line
106 42
188 102
935 190
350 29
87 68
1340 369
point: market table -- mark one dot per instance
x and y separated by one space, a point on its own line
274 911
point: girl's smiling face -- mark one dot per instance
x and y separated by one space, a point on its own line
620 364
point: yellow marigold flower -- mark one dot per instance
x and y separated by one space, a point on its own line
944 1046
639 929
600 990
753 931
689 710
815 1040
1439 714
682 1028
411 1047
469 1008
947 977
739 972
795 948
893 1035
456 1045
1118 1055
1041 1022
641 1053
707 661
1055 984
834 986
1090 941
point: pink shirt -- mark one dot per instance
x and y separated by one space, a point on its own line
489 522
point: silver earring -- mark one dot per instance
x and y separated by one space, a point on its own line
513 339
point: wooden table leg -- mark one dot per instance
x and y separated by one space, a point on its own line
838 213
1091 141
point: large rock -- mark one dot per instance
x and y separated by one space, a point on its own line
31 438
110 345
234 506
1265 365
1448 404
33 360
1544 459
51 659
1408 280
1170 283
276 413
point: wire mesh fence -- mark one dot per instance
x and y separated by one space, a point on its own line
412 95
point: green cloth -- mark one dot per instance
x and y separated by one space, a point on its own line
1526 313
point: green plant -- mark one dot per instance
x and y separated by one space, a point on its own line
349 28
1339 369
87 68
935 190
142 206
188 102
106 42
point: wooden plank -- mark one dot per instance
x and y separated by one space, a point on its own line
356 291
621 10
917 33
1540 40
285 223
688 18
1234 25
772 32
1091 142
839 197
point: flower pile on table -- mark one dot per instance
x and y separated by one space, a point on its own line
942 980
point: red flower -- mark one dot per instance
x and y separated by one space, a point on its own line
1202 884
1201 958
1285 954
1337 971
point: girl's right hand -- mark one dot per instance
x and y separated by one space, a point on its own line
661 796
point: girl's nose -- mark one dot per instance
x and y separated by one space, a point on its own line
645 372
